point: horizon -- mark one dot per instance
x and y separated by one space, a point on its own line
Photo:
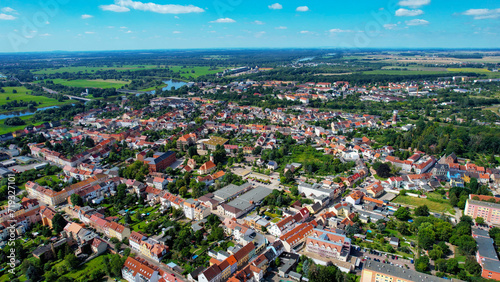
126 25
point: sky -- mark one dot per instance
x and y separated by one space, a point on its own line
92 25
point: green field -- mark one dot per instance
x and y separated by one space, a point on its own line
93 69
6 129
96 83
198 71
434 202
23 95
416 70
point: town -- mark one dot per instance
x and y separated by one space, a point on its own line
256 180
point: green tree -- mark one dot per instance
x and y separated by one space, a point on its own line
403 213
422 264
72 260
58 223
479 220
452 266
422 211
76 200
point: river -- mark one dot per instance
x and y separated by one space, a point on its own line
24 113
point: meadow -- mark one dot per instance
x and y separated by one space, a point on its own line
93 69
23 95
434 202
95 83
198 71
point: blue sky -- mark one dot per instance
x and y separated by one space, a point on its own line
48 25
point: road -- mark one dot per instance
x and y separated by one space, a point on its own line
69 96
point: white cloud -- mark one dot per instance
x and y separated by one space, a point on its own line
275 6
89 32
337 30
123 27
302 9
176 32
260 34
258 22
224 20
84 17
304 31
114 8
6 17
9 10
417 22
414 3
390 26
481 14
47 22
128 31
159 8
281 27
408 13
46 34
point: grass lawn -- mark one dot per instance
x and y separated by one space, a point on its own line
93 69
434 203
198 71
95 83
23 95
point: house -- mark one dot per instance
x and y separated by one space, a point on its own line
272 165
207 167
160 161
394 242
375 190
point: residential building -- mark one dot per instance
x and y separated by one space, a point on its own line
377 272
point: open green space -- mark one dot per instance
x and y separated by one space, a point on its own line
23 94
28 119
434 201
86 69
198 71
95 83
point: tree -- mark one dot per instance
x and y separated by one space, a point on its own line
473 267
58 223
277 262
422 264
426 236
403 213
76 200
14 121
127 218
440 265
33 273
452 266
479 220
422 211
72 260
383 170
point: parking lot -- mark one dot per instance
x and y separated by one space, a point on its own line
396 260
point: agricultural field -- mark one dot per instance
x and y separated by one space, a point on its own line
84 69
198 71
23 95
96 83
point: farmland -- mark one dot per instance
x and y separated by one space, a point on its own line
95 83
86 69
198 71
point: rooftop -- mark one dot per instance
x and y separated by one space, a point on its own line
406 274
